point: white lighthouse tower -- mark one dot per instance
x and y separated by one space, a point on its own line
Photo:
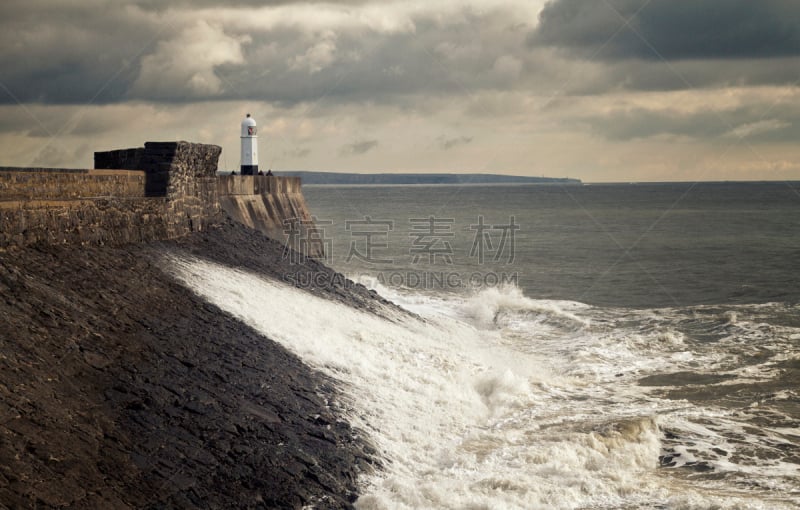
249 146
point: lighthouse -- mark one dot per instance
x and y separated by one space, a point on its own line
249 146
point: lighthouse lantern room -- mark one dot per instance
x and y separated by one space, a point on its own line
249 146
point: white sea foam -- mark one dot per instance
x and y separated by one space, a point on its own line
494 401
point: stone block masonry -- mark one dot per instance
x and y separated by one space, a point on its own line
257 185
274 206
161 191
173 169
112 222
184 173
60 184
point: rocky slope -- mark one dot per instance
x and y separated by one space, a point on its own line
121 389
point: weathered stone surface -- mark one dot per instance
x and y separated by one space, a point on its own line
122 389
191 183
274 206
18 184
257 184
119 389
164 190
100 222
173 169
109 206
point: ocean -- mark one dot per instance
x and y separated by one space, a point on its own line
629 346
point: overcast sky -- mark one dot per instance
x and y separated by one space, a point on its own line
602 90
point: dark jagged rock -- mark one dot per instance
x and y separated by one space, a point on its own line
119 388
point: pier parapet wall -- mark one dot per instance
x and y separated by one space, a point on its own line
64 206
160 191
274 206
65 184
182 173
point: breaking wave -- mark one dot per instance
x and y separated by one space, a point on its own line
496 400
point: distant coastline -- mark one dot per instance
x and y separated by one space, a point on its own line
312 178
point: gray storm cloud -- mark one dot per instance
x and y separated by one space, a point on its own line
291 52
537 78
101 52
674 30
705 124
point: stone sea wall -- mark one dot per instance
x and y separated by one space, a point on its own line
274 206
172 193
161 191
62 184
187 172
120 389
110 221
